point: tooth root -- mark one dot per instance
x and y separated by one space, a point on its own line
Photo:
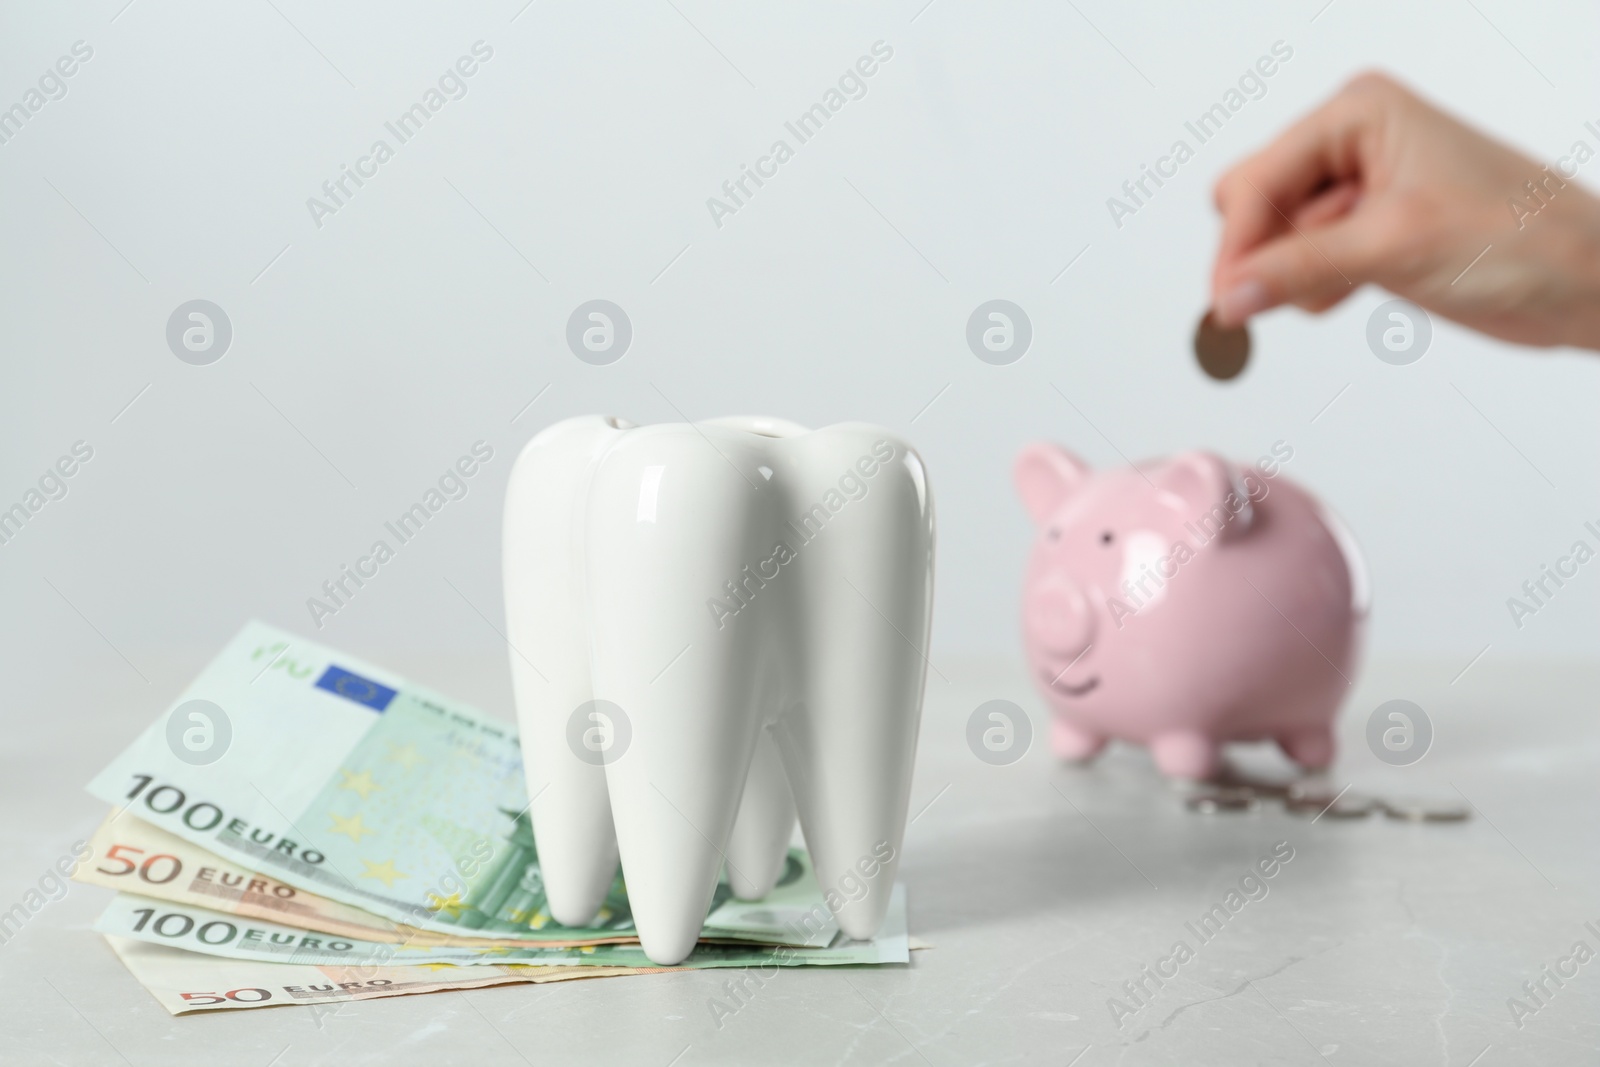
849 752
572 825
545 627
760 841
668 524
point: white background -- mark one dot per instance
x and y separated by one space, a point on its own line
375 350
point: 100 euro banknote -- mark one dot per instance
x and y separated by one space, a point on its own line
134 856
337 777
215 933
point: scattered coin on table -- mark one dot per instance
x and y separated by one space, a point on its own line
1422 809
1213 801
1348 806
1316 797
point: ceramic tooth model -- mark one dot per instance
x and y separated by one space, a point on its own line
1187 602
714 626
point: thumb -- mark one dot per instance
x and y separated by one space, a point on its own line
1313 267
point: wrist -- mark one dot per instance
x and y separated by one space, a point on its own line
1578 262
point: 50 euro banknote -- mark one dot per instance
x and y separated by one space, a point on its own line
188 982
202 930
131 855
341 779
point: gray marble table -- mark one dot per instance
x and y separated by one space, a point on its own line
1041 890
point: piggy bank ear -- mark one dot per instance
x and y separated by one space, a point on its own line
1203 489
1046 475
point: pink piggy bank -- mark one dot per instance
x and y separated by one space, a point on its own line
1187 602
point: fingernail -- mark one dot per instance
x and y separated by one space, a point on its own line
1236 305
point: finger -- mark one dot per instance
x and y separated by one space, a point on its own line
1324 303
1257 196
1314 268
1319 150
1333 202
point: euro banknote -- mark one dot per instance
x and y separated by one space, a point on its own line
131 855
341 779
188 982
202 930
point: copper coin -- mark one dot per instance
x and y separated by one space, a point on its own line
1316 789
1216 801
1232 777
1328 803
1222 353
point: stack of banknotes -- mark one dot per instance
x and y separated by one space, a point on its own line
304 828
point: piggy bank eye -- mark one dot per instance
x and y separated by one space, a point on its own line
1105 538
1054 533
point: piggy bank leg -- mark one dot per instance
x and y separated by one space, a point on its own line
1182 754
1311 748
1072 743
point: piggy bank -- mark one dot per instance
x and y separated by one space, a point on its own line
1187 602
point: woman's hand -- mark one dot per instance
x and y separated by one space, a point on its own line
1379 186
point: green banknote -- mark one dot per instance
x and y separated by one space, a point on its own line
344 780
219 934
133 856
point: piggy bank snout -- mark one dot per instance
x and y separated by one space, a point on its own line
1060 617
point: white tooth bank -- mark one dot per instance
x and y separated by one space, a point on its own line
713 627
